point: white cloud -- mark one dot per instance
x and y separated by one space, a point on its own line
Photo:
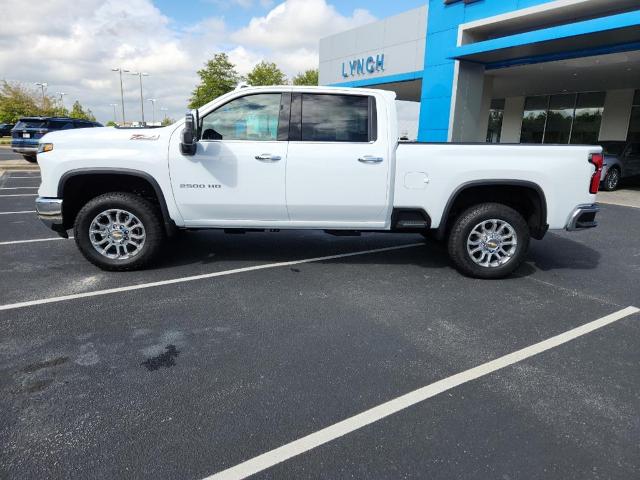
298 23
75 48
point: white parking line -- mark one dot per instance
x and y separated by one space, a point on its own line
337 430
20 195
21 211
18 188
17 242
32 176
108 291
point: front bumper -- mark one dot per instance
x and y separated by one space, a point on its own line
26 150
50 212
583 217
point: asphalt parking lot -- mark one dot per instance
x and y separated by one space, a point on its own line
239 345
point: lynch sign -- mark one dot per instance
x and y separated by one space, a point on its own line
363 66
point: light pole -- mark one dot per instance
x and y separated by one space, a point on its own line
164 109
62 94
140 75
120 70
42 85
153 104
114 105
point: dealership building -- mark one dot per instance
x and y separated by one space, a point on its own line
510 71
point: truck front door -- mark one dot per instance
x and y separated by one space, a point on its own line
237 175
338 164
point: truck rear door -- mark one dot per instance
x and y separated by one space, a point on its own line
337 165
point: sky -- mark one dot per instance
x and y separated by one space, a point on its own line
74 46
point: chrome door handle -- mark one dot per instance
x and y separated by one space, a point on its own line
370 159
267 157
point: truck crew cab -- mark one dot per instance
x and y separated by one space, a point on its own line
308 158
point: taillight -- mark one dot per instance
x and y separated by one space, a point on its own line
598 160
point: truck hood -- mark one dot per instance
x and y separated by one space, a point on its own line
108 135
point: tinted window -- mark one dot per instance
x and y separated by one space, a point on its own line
634 149
59 125
613 148
335 118
31 124
496 114
254 117
534 120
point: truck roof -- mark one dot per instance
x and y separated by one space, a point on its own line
316 89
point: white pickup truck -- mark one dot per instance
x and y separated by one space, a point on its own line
270 158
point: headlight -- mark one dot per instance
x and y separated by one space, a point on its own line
45 147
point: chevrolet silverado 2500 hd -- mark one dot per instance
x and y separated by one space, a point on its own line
308 158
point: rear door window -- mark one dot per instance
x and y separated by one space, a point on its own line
337 118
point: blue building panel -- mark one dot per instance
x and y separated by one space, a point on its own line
444 19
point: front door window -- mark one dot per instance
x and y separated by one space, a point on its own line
252 118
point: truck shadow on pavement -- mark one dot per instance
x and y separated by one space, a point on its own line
556 252
209 247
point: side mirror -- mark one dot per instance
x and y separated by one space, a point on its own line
189 142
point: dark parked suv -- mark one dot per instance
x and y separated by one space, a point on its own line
621 160
28 130
5 129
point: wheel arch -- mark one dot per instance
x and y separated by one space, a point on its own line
129 180
532 205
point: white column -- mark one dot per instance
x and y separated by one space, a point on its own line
616 115
467 102
512 120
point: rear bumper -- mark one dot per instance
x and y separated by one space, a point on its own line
50 212
583 217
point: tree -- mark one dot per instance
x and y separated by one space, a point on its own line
17 101
167 121
111 123
218 77
78 112
310 77
266 73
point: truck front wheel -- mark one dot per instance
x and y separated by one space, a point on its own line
119 231
489 240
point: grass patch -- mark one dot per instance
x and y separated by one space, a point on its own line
5 141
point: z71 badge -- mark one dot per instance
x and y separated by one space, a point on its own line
141 136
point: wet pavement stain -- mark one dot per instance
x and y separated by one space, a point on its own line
166 359
34 367
295 270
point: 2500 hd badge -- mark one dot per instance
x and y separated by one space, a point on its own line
199 185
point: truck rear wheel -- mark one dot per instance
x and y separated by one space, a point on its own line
119 231
489 240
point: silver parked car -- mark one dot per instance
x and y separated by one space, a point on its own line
621 160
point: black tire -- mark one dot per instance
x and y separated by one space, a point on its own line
31 158
144 210
461 231
611 180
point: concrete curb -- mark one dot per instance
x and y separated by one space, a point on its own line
18 165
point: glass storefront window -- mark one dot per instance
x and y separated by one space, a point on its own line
588 117
565 118
560 118
534 120
496 113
